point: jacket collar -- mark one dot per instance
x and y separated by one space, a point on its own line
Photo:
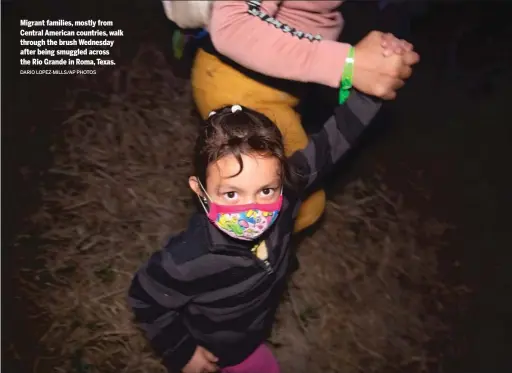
213 238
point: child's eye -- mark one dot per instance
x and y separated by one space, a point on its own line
230 195
267 192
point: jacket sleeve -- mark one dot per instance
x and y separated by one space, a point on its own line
157 295
246 32
332 142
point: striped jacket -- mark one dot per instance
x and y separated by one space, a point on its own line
205 288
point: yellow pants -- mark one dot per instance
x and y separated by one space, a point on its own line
216 84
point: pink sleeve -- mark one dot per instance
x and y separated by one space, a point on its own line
267 49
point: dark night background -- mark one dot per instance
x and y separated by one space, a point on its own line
432 128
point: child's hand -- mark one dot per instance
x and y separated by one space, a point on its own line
393 45
203 361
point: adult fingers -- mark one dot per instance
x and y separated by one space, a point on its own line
403 47
405 72
388 87
388 52
397 84
411 58
399 50
388 39
408 47
391 45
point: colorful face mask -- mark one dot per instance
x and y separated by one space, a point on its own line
244 222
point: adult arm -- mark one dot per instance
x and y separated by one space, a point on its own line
247 33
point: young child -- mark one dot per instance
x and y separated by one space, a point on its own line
207 300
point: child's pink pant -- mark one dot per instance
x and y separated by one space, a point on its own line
260 361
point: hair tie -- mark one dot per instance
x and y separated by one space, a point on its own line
212 113
236 108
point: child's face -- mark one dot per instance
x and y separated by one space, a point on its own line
259 181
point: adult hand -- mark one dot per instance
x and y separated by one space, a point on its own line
376 74
203 361
392 45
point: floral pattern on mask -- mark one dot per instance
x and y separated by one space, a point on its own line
246 225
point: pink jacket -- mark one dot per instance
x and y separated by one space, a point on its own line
293 40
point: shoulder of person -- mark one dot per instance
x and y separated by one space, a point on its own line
191 243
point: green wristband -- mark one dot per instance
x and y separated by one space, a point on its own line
348 75
178 44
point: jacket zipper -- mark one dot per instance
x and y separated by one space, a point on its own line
266 265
